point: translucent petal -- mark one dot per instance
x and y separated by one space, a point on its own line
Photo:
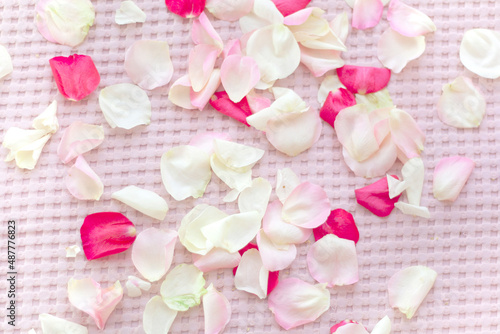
340 26
79 138
5 62
217 258
251 275
183 287
286 182
135 286
128 13
480 52
406 133
157 317
307 206
263 13
280 232
275 258
229 10
72 251
329 84
216 311
366 13
256 197
82 182
237 156
25 146
395 51
180 93
54 325
450 176
145 201
409 21
238 76
202 32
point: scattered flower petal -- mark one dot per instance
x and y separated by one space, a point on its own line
6 67
351 2
409 21
375 197
72 251
200 99
251 275
287 7
82 182
54 325
157 317
47 120
330 84
406 134
217 258
335 102
383 326
106 233
480 52
307 206
25 146
279 231
238 76
145 201
229 10
396 187
135 286
409 287
202 60
348 327
286 182
395 51
275 257
320 61
256 197
341 223
295 302
87 296
378 100
216 310
203 32
366 13
183 287
205 141
180 93
263 14
450 176
234 179
153 252
363 80
186 8
413 210
79 138
413 174
128 13
223 104
340 26
236 155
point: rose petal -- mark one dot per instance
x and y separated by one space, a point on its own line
47 120
64 22
340 26
79 138
320 61
263 14
201 98
329 84
461 104
185 172
186 8
413 210
135 286
233 46
157 317
279 231
52 324
217 258
375 197
341 223
348 327
125 106
287 7
383 326
307 206
251 275
413 174
82 182
234 179
76 76
395 51
396 187
202 32
153 252
180 93
87 296
223 104
409 287
183 287
409 21
238 76
351 2
145 201
366 13
236 155
216 310
128 13
335 102
450 176
148 64
72 251
286 182
106 233
25 146
295 302
229 10
275 257
6 67
363 80
406 134
205 141
378 100
256 197
202 60
480 52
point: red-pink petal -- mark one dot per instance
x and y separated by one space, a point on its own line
335 102
76 76
186 8
340 324
375 197
341 223
223 104
287 7
366 13
348 327
363 80
106 233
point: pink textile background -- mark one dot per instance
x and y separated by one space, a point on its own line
460 241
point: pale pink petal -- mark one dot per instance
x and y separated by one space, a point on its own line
287 7
395 51
307 206
205 141
79 138
333 260
180 93
409 287
238 76
87 296
413 210
82 182
413 174
202 32
229 10
216 310
201 65
232 47
366 13
263 14
51 324
320 61
375 197
275 257
279 231
406 133
409 21
217 258
257 102
201 99
143 200
251 275
383 326
186 8
286 182
135 286
335 102
480 52
153 252
256 197
157 317
300 17
362 79
348 327
340 26
351 2
183 287
450 176
295 302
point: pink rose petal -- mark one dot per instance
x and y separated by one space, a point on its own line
450 176
307 206
287 7
320 61
239 75
232 47
335 102
279 231
79 138
82 182
341 223
202 60
76 76
216 310
203 32
348 327
366 13
186 8
200 99
106 233
363 80
406 133
223 104
275 257
375 197
180 93
409 21
257 102
217 258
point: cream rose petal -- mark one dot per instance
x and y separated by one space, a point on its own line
238 76
383 326
157 317
135 286
396 187
263 13
340 26
413 172
251 275
183 287
320 61
185 171
307 206
47 120
279 231
234 179
235 155
25 146
217 258
200 99
180 93
82 182
295 302
205 141
256 197
286 182
145 201
229 10
6 67
409 287
72 251
395 51
216 310
329 84
413 210
128 13
409 21
153 252
450 176
480 52
87 296
79 138
54 325
275 258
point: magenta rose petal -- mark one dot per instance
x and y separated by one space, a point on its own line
341 223
335 102
363 80
186 8
375 197
287 7
223 104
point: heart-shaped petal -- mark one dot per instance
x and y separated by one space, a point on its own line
238 76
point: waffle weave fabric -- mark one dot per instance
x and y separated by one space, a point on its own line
460 241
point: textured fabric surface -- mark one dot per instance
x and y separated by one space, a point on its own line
460 241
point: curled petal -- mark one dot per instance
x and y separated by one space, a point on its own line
348 327
153 252
205 141
409 287
106 233
307 206
148 64
87 296
406 134
295 302
76 76
64 22
413 210
237 156
25 146
363 80
320 61
72 251
217 258
334 103
287 7
185 172
47 120
229 10
480 52
216 310
329 84
183 287
256 197
275 257
200 99
395 51
202 60
180 93
396 187
157 317
6 67
79 138
409 21
461 104
413 174
383 326
450 176
366 13
375 197
186 8
202 32
251 275
125 106
280 232
52 324
238 76
135 286
341 223
223 104
263 13
286 182
234 179
145 201
128 13
82 182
